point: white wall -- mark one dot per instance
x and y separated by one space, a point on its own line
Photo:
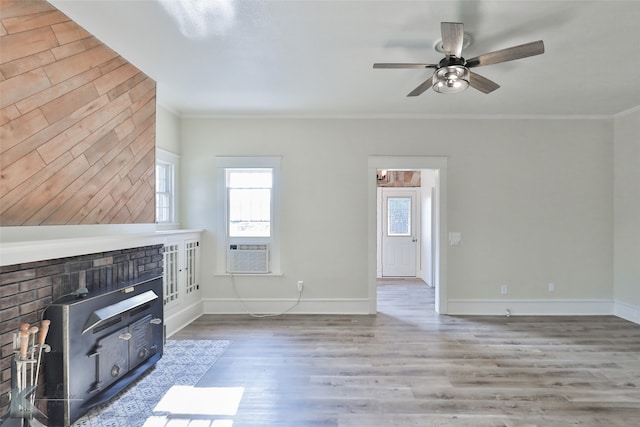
168 126
532 199
626 265
168 148
427 183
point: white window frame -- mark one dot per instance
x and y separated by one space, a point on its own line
222 230
173 160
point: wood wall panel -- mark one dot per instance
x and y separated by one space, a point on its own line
77 124
27 43
34 20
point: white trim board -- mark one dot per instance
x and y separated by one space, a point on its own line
30 251
176 321
457 307
35 233
354 306
626 311
56 245
540 307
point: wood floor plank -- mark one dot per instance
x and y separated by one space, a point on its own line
409 366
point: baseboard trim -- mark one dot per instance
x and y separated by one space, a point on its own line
273 306
627 312
356 306
530 307
174 322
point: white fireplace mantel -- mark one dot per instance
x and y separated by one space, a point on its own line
20 245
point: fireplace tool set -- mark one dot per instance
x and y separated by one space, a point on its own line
28 345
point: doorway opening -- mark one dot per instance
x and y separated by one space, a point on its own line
406 225
408 222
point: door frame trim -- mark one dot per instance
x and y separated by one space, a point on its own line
438 163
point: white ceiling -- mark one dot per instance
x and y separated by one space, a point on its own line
314 57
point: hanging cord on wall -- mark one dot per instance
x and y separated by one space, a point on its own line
78 293
259 316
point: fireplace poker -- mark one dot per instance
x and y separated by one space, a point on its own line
44 330
23 345
31 352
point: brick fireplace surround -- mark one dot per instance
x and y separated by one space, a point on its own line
27 288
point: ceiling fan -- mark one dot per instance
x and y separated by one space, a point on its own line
452 74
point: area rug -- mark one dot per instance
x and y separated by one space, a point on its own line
183 363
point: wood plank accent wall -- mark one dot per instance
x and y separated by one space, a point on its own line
77 136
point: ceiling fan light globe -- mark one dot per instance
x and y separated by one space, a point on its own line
451 87
451 79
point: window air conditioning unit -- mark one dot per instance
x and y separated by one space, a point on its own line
248 258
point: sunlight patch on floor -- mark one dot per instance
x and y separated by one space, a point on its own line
163 421
189 400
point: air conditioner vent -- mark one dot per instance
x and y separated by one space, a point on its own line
248 258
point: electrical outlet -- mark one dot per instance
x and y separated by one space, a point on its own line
503 289
300 285
552 287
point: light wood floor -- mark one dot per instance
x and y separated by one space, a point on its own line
409 366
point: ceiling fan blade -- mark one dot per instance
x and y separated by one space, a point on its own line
423 86
402 65
508 54
481 83
452 38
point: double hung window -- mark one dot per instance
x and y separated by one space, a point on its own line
249 202
248 225
167 173
164 192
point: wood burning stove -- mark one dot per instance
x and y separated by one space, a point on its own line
100 343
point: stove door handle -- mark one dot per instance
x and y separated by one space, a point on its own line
155 321
125 336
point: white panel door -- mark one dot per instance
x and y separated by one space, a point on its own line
399 240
